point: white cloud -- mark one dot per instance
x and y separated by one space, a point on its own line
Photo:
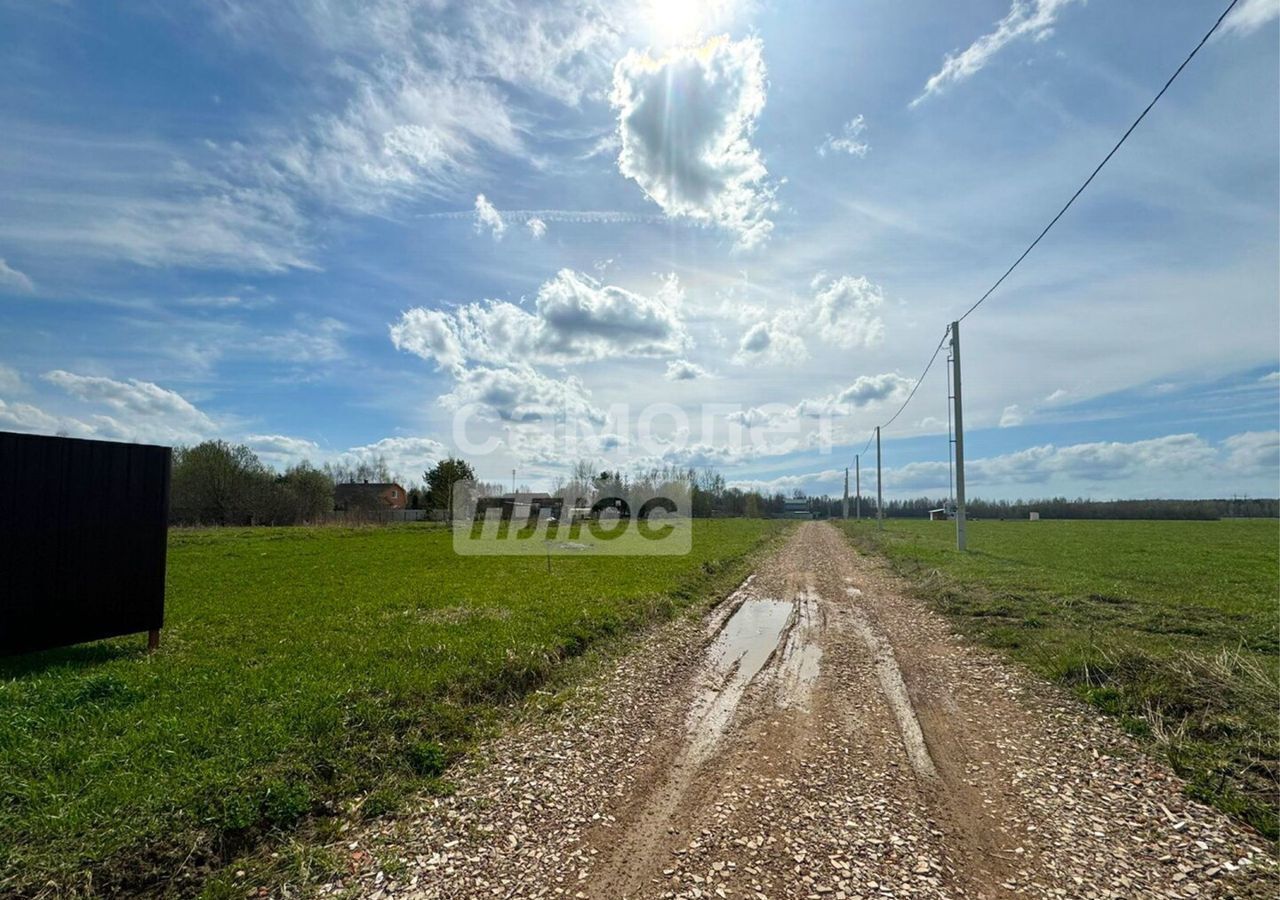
281 450
865 391
139 410
850 140
519 393
1273 378
683 370
868 389
753 417
149 204
1254 452
31 419
1026 18
488 218
537 227
1081 466
1089 462
576 319
585 319
1251 15
811 482
685 121
1012 416
12 278
431 334
391 100
1058 394
406 457
771 342
134 397
844 311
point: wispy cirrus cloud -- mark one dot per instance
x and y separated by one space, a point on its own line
399 101
1250 15
13 279
1033 19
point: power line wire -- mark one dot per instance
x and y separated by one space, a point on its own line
1105 160
914 388
919 380
1080 190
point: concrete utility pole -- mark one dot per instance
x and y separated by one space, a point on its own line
879 493
959 417
844 510
857 476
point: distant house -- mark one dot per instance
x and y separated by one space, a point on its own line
797 508
369 496
522 503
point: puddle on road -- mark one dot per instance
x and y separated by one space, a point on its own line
762 639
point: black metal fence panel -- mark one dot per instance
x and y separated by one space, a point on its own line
83 536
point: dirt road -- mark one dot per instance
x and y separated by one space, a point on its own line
819 734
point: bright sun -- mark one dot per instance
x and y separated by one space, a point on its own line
677 21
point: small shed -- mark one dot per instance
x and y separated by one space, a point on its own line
1035 517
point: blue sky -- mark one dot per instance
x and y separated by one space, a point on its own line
705 233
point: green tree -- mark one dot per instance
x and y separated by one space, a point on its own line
216 483
442 477
310 492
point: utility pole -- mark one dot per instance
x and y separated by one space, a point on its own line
844 510
959 417
879 493
857 475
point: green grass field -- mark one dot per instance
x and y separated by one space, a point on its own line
300 668
1172 626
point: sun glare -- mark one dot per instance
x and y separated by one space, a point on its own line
677 21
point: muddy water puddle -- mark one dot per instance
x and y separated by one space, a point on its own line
763 641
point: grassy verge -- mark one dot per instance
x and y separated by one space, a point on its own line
1174 627
300 668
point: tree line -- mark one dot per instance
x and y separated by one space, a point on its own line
1064 508
218 483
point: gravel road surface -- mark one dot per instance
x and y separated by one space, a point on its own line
818 734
